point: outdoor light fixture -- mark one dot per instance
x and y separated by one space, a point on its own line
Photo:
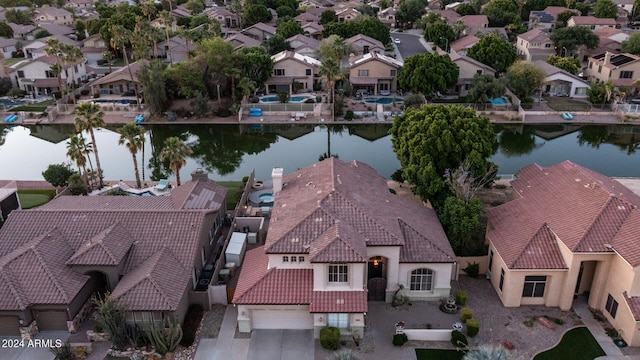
375 262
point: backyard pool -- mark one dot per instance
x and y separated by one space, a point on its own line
7 103
498 101
291 99
109 101
382 100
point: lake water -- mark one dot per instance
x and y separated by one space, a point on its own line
230 152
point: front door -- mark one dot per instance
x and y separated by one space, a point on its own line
377 289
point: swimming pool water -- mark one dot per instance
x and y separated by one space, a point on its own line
382 100
276 99
498 101
267 198
10 103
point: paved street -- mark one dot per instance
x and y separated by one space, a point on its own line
410 44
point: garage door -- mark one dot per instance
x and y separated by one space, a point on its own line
52 320
281 319
9 326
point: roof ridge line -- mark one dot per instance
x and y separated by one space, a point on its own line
544 225
50 275
17 292
402 222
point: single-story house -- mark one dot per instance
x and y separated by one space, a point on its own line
558 82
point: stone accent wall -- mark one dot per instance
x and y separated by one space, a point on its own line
74 324
30 331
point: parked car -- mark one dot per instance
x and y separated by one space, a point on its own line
397 41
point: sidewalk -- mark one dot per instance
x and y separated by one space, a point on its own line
225 347
606 343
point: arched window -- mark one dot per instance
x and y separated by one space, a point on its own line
421 280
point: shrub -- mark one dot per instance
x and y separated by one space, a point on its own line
349 115
101 62
57 95
318 98
397 176
473 327
458 339
461 298
330 338
400 339
84 92
472 270
466 314
96 95
191 323
63 352
77 96
392 191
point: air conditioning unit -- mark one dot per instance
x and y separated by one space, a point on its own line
252 238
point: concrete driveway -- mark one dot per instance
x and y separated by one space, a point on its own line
12 349
281 345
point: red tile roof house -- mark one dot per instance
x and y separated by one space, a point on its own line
571 231
148 251
337 239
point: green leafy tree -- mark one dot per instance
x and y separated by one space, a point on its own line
429 140
289 28
150 75
254 14
409 11
632 44
71 55
601 93
41 34
80 28
384 4
501 13
485 87
573 36
523 78
89 116
195 7
277 43
21 17
438 31
461 222
218 60
605 9
175 151
328 16
466 9
563 17
568 64
5 30
57 174
188 78
427 73
200 105
246 85
493 52
77 185
256 64
132 136
331 71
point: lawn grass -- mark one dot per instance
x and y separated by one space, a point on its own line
576 344
234 187
33 198
566 104
12 61
438 354
37 107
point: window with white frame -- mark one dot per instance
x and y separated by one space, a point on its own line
340 321
142 318
338 273
301 259
363 72
534 286
285 259
293 259
421 280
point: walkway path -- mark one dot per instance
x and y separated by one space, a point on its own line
582 309
225 347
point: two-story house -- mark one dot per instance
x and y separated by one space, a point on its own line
329 249
388 17
36 78
468 68
36 48
347 14
307 17
290 68
305 45
93 47
591 22
22 32
621 69
176 49
52 15
546 19
147 251
534 45
570 232
376 73
475 23
225 17
7 46
259 31
363 44
313 30
463 44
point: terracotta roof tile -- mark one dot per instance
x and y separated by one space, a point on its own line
199 194
626 242
542 251
259 285
339 244
634 305
338 302
429 246
584 209
106 248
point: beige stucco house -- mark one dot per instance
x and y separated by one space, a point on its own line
591 22
569 232
621 69
52 15
546 19
329 249
289 68
375 73
363 44
119 81
558 82
534 45
259 31
147 251
468 68
36 78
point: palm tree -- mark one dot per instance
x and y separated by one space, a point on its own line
168 21
88 117
341 50
459 27
119 38
247 86
56 70
75 151
175 151
108 55
132 136
487 352
71 54
54 49
330 69
148 9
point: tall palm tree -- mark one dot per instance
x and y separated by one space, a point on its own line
89 117
119 38
168 20
175 151
54 49
71 54
56 70
247 86
330 69
341 50
108 55
148 9
75 152
132 136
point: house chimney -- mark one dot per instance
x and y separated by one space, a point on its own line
607 58
276 177
199 174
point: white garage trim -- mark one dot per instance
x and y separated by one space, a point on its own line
281 319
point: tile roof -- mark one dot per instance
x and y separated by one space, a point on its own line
592 20
339 244
106 248
585 210
156 283
199 195
535 34
634 305
259 285
338 302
